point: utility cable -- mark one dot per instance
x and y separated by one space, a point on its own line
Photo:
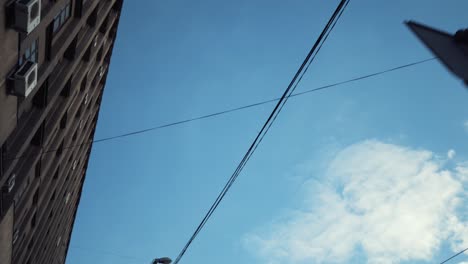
452 257
234 109
262 133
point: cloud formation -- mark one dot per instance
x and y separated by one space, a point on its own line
451 154
390 202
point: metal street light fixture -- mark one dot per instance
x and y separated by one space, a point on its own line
164 260
450 49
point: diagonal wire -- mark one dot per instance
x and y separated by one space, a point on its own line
452 257
265 127
234 109
260 139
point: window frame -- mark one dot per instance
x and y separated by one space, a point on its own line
30 53
61 18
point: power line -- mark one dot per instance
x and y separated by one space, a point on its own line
289 90
459 253
235 109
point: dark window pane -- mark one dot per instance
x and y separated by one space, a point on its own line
37 171
56 24
33 220
59 150
63 17
36 197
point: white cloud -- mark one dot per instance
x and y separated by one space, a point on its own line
392 202
451 154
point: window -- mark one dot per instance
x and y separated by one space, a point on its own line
99 54
59 150
66 90
40 98
83 82
22 190
104 24
37 170
56 174
92 19
2 154
78 113
87 54
30 245
30 53
36 197
33 221
63 121
53 196
38 137
71 50
61 18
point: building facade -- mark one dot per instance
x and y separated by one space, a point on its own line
54 60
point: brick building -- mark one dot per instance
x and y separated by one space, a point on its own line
54 60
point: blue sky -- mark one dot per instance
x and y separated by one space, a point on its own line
368 172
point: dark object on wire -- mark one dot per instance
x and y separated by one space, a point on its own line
164 260
450 49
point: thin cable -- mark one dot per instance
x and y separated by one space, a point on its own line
234 109
253 146
294 87
264 129
459 253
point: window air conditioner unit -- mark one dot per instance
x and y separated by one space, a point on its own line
101 71
27 14
86 99
74 165
10 184
25 79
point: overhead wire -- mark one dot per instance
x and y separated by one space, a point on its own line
454 256
328 86
292 85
